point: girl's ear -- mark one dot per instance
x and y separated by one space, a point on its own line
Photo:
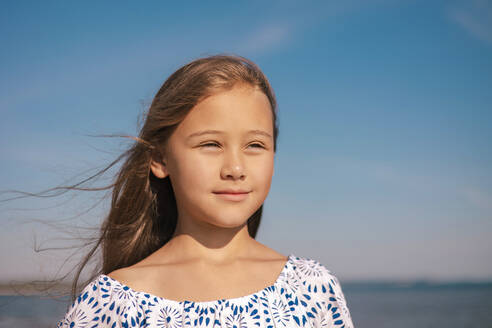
159 169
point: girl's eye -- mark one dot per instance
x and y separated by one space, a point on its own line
209 144
257 144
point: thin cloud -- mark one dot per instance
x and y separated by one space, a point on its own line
288 27
265 39
475 17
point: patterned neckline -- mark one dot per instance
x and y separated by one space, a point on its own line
239 299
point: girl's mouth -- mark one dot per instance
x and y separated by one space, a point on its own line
232 196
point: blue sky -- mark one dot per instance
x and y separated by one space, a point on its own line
384 162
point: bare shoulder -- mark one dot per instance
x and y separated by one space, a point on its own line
127 276
133 276
155 274
268 254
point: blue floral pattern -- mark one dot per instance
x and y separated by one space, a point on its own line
305 294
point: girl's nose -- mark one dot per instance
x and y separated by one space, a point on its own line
233 167
235 173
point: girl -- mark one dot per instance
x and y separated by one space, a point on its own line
178 245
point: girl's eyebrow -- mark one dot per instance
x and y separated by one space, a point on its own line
200 133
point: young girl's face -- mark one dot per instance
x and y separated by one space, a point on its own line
237 155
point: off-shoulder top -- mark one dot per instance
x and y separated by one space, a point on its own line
305 294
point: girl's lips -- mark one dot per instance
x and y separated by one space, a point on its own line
235 197
231 191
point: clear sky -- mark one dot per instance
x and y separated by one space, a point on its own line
384 162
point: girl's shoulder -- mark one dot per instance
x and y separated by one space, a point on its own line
101 302
320 285
312 270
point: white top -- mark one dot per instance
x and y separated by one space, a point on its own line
305 294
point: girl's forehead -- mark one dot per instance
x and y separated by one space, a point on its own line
235 110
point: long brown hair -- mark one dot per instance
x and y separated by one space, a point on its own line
143 213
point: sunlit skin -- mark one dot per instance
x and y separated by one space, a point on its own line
211 229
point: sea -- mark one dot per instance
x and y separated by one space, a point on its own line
381 305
